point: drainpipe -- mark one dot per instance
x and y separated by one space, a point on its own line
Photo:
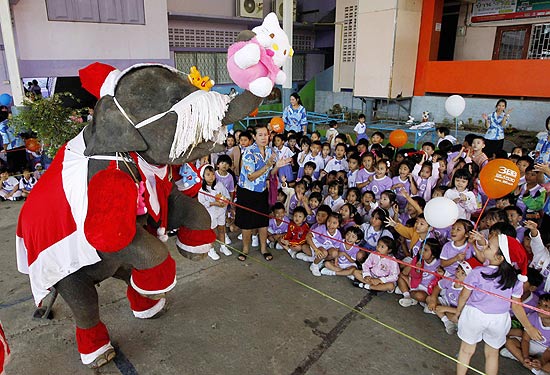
11 56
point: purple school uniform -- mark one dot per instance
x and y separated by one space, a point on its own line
363 176
427 277
401 200
450 250
449 293
379 185
372 236
343 262
310 219
322 238
273 228
334 204
485 302
378 267
443 235
293 203
535 320
227 181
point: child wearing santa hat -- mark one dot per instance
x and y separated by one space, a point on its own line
481 315
214 196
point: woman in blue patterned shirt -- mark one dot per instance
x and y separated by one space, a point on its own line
495 122
252 195
295 115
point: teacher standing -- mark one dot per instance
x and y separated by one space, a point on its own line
495 122
252 211
295 115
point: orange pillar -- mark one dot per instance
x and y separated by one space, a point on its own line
428 42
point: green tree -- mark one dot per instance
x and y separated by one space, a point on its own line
53 122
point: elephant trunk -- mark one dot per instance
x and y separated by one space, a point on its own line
241 106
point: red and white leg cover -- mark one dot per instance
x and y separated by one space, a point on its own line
4 350
195 241
143 307
92 342
159 279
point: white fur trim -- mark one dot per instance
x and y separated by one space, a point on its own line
522 278
147 292
89 358
201 249
149 313
108 86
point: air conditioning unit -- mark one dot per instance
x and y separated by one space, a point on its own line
278 9
250 8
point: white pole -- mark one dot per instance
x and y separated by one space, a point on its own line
287 27
11 56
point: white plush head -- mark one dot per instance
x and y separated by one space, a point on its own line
270 35
426 115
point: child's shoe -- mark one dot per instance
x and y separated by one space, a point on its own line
314 268
255 241
397 291
506 353
450 328
292 253
407 301
240 236
325 271
227 240
212 254
278 246
225 251
305 257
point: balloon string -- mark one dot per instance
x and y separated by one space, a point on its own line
481 213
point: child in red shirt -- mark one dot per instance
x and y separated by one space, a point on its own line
297 231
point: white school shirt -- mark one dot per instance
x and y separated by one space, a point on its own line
360 128
336 165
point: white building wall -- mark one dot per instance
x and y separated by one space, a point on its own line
41 39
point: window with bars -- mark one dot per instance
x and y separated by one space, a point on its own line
511 42
213 64
349 30
539 46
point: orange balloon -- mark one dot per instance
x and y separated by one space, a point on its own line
254 113
277 124
32 144
398 138
499 177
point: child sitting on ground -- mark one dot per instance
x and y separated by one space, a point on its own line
27 182
334 198
296 234
277 226
380 271
344 264
9 186
534 355
444 297
414 282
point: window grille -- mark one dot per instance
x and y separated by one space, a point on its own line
539 46
197 38
349 30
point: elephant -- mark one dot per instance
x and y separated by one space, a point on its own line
144 94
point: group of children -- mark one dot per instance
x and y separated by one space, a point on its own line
354 208
17 188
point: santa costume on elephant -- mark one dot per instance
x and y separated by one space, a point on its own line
68 221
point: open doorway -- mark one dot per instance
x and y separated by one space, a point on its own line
449 24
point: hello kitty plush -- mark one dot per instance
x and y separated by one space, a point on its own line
254 62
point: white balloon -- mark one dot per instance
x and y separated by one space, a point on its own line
441 212
455 105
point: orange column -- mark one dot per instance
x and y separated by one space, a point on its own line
428 41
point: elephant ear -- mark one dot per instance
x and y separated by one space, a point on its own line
111 132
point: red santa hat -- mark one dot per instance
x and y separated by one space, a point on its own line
515 254
466 267
202 169
99 79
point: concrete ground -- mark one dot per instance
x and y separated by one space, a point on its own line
231 317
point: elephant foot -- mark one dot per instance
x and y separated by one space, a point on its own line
43 313
155 297
194 253
102 359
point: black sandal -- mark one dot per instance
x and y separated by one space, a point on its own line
242 257
268 256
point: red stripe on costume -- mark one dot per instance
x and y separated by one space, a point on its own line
191 237
91 339
4 349
139 302
156 279
37 212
